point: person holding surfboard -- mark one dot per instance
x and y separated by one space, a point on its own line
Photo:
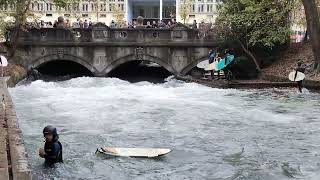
301 68
1 66
212 56
52 152
224 58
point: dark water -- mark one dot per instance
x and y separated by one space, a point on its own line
214 133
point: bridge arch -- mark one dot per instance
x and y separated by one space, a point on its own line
192 65
132 57
65 57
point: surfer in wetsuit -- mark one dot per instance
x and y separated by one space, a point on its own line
212 55
52 152
1 67
225 69
34 73
301 68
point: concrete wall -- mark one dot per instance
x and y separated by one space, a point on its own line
14 163
102 49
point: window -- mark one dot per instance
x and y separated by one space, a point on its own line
10 6
66 15
192 16
49 7
200 7
209 8
48 15
84 15
103 7
193 9
5 7
103 15
141 12
76 7
84 7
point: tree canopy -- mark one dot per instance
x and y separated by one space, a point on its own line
252 22
185 9
256 21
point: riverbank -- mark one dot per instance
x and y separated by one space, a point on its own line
16 74
288 61
239 84
275 75
13 157
264 82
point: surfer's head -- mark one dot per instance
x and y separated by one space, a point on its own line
50 134
300 62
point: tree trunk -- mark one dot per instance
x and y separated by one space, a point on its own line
313 23
305 38
251 56
20 15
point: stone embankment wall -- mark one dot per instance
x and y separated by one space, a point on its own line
13 157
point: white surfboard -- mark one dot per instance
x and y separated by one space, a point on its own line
133 152
300 76
203 64
211 66
3 61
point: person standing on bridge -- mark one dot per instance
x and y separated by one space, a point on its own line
52 152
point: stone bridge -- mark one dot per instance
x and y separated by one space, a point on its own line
101 49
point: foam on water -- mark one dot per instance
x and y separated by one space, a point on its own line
205 127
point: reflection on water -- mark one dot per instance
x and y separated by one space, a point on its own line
214 133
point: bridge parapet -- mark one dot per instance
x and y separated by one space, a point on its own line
101 49
103 34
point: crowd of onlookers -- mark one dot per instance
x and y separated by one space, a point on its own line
65 24
161 24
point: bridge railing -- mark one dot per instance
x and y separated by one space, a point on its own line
104 34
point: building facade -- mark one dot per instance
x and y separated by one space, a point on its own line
105 10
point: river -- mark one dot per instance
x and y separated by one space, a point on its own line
214 133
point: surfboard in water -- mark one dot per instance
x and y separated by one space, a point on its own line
133 152
300 76
224 62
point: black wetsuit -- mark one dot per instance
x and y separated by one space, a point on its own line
211 60
34 74
53 152
301 69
